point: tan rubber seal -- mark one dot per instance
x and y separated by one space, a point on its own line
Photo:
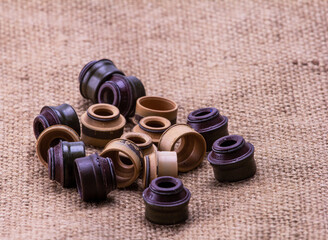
101 123
128 171
153 126
50 134
159 164
191 150
155 106
142 140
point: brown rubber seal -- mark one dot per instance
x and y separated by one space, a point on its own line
159 164
127 168
50 136
232 159
95 177
209 123
153 126
101 123
156 106
142 140
166 201
61 162
191 150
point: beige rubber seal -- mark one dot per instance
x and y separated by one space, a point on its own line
159 164
50 134
167 163
142 140
101 123
191 150
156 106
153 126
128 166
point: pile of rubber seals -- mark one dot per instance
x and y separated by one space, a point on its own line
156 149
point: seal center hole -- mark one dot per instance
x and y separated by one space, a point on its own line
125 160
103 112
155 124
202 114
137 140
54 142
40 127
228 143
177 145
166 184
108 96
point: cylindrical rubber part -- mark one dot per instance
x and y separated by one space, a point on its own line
156 106
191 150
159 164
142 140
50 136
122 92
167 163
93 75
95 177
232 159
166 201
61 162
153 126
209 123
126 173
63 114
101 123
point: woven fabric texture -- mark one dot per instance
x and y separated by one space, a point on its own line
263 64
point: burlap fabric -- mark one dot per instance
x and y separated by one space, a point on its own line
262 63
